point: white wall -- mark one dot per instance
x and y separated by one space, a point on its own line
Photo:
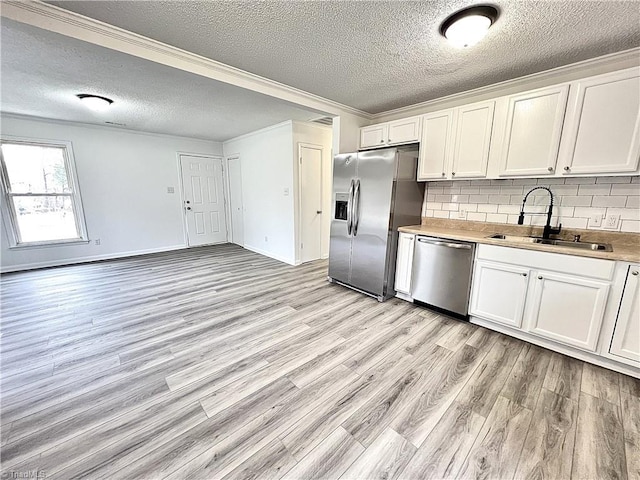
123 177
267 160
322 136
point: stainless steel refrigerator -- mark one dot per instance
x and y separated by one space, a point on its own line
374 193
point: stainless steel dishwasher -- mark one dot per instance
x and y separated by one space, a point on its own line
441 273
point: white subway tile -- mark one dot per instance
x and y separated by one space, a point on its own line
481 183
443 198
600 201
428 213
470 190
497 217
501 182
625 213
434 205
513 219
635 179
527 182
564 189
485 208
574 222
511 190
633 202
478 198
613 180
456 216
477 217
575 201
587 212
501 199
450 206
515 199
440 214
490 190
451 190
580 180
632 226
435 190
622 189
430 197
513 209
551 181
468 207
460 198
603 189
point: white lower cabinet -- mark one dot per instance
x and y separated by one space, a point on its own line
404 262
626 335
499 292
520 289
568 309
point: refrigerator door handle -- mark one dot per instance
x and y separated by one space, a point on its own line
356 208
350 208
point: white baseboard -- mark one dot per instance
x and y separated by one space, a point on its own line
90 258
288 261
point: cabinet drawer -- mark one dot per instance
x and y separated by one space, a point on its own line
558 262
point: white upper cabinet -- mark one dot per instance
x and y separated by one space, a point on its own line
374 135
472 140
626 336
533 129
406 130
436 146
602 130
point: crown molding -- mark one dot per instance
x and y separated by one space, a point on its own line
58 20
593 66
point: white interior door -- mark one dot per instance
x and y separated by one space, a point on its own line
310 202
203 197
235 200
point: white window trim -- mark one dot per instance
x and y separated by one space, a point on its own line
8 211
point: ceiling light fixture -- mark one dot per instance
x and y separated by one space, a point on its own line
95 102
468 26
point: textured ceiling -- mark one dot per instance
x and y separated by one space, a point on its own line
381 55
43 71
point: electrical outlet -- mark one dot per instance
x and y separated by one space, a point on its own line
595 220
611 221
97 241
462 214
286 192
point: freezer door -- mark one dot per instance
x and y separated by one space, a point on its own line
344 172
371 211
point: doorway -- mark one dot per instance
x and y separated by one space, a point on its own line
234 172
203 200
310 194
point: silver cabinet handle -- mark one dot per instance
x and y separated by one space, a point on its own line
635 272
550 169
318 212
461 246
524 274
188 208
350 208
566 169
453 174
356 208
444 174
539 277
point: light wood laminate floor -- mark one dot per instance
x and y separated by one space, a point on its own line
217 362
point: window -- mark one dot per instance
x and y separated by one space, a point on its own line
42 201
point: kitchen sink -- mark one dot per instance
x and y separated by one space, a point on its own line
601 247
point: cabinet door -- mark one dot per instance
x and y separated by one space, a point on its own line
436 145
374 135
472 140
404 262
603 125
568 309
406 130
626 335
532 136
499 292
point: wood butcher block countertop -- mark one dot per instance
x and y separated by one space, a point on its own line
626 246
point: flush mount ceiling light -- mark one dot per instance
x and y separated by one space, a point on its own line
467 27
95 102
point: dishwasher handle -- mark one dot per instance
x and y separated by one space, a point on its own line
460 246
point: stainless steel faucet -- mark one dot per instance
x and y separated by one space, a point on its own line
548 231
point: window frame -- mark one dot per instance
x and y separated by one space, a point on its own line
9 214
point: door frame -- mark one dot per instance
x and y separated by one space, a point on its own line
179 154
227 186
298 163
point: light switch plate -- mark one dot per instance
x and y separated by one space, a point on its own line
595 220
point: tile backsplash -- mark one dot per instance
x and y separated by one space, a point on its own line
576 201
